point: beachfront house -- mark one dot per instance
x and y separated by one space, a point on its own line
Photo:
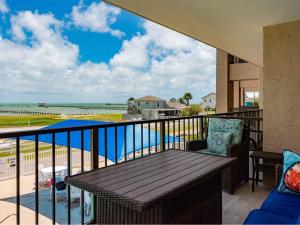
152 107
163 185
209 101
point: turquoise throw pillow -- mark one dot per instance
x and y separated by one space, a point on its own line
234 126
290 179
218 142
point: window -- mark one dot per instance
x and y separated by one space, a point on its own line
138 103
204 100
251 98
158 104
209 100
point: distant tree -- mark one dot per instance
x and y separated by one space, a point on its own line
181 100
192 110
256 103
173 100
187 97
130 99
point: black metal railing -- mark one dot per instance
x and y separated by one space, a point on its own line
108 144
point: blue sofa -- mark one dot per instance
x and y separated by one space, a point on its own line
278 208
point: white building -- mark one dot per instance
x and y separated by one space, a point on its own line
209 101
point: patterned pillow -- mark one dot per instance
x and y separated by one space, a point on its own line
290 179
234 126
218 142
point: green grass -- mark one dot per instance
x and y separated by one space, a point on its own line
40 120
24 121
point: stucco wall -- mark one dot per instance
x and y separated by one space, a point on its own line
232 80
281 87
244 71
222 84
261 89
142 104
236 94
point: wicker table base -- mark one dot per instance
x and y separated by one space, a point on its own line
201 204
165 188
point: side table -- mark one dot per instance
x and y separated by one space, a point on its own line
259 165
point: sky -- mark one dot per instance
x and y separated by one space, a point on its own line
90 51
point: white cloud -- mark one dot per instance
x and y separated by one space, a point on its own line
165 62
168 39
37 63
3 7
134 53
48 49
96 17
41 63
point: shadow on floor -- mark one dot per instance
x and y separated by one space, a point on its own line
45 207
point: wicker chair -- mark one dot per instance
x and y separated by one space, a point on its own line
238 172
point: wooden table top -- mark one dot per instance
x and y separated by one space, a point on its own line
141 182
266 155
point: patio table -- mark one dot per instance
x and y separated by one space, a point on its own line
173 186
60 170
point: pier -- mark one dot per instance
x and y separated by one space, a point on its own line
102 107
29 112
60 109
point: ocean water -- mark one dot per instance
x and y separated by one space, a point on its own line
62 109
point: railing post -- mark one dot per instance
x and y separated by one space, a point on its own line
94 161
202 127
162 136
94 148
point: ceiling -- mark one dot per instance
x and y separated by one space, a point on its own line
235 26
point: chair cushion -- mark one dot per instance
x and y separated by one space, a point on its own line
290 179
218 142
282 203
60 186
258 216
234 126
206 151
298 221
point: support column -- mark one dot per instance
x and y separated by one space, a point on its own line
236 94
224 89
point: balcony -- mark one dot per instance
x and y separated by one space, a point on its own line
28 197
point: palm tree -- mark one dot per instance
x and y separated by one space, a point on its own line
173 100
181 100
130 99
187 97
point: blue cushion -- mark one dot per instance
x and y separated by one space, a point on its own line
234 126
298 221
258 216
283 204
218 142
290 180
